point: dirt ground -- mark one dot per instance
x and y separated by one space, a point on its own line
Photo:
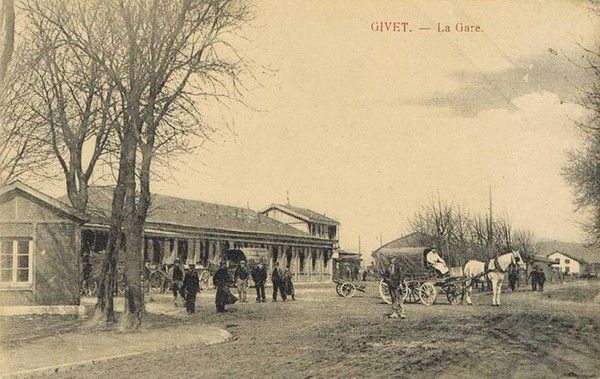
550 334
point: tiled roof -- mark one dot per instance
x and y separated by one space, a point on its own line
194 213
303 213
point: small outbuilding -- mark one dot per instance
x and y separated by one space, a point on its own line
39 248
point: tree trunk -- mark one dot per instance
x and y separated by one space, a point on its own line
134 304
105 305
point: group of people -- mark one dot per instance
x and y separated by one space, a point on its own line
538 277
187 284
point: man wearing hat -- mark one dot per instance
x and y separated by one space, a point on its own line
259 276
241 280
176 275
191 287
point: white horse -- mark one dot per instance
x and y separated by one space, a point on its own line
493 270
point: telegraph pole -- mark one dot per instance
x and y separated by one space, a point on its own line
491 225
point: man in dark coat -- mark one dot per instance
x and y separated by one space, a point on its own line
221 281
541 279
278 284
176 274
534 275
259 276
513 276
191 287
287 282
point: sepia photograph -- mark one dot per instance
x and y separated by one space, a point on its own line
299 189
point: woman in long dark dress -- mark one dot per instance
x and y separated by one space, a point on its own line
221 281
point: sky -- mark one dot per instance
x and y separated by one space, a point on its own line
366 126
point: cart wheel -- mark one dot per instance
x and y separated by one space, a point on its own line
454 293
427 293
347 289
384 292
338 289
412 293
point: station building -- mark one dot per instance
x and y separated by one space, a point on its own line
44 240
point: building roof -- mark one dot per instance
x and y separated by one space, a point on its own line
415 239
303 214
195 213
18 186
576 251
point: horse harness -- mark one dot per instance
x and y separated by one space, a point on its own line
487 269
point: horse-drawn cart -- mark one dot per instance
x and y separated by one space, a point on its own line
424 273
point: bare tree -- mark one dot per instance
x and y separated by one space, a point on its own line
63 101
164 59
462 236
582 169
7 25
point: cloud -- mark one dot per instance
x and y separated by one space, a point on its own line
480 91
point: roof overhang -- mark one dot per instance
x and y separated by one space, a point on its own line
300 216
48 200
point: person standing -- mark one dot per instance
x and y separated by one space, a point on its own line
287 283
541 279
513 276
221 282
259 276
191 287
533 275
241 280
176 276
394 280
277 280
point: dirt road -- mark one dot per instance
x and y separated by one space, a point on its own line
321 335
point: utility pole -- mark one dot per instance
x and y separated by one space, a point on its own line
287 194
491 224
359 250
380 239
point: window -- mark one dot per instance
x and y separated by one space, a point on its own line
15 261
567 261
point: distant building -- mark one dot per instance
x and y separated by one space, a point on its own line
571 258
564 263
305 220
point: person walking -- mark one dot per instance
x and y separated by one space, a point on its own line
278 285
176 275
541 279
241 280
221 282
288 284
259 276
394 281
191 287
533 275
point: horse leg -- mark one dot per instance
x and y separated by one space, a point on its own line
498 291
468 290
494 288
